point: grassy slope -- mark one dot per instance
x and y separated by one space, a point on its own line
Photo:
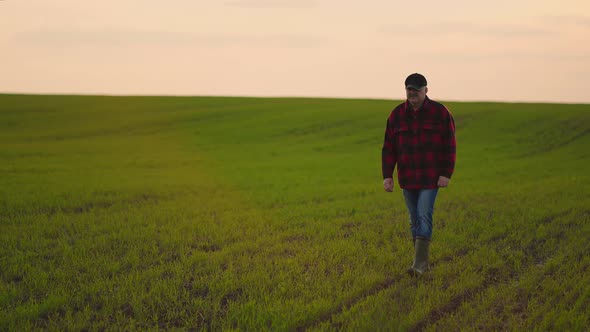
247 213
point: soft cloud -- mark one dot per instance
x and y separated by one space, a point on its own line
469 28
511 56
272 4
573 20
73 36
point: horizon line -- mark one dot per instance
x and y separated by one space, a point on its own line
283 97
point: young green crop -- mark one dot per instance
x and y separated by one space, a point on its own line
269 214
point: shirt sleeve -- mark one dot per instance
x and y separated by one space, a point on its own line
447 162
388 155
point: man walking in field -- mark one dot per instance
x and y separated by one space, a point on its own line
420 140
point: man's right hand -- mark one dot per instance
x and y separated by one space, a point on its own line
388 184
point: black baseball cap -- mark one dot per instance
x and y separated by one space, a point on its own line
415 81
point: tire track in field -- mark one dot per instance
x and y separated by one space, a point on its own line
136 200
491 279
437 314
555 146
374 290
351 302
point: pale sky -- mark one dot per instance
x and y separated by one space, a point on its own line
517 50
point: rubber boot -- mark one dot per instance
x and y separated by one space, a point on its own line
420 258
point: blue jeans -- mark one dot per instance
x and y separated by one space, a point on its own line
420 205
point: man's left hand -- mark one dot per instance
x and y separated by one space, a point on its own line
443 181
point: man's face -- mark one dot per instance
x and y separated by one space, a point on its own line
416 96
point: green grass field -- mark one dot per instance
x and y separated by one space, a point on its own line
210 213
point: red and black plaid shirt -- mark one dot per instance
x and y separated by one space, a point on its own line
421 143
